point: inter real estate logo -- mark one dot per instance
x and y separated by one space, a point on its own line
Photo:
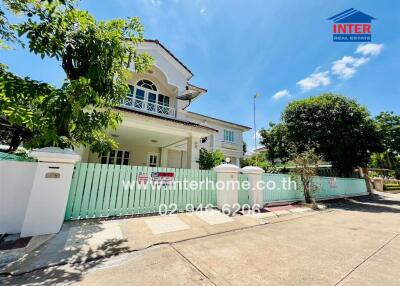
352 26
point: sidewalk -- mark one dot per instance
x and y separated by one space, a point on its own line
81 241
355 242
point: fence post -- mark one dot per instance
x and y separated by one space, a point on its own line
254 174
48 198
227 186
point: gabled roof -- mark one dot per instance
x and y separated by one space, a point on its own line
169 52
220 120
352 16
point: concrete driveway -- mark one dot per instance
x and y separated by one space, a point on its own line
354 242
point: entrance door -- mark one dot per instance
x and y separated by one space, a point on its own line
152 159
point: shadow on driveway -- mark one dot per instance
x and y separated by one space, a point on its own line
372 204
76 260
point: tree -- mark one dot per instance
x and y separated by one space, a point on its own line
95 56
337 128
6 33
388 125
259 161
306 167
22 102
208 160
275 141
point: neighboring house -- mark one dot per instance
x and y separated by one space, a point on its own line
157 130
259 150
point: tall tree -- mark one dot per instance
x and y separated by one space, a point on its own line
95 56
389 126
22 106
337 128
275 141
6 33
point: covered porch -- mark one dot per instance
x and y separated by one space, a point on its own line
153 141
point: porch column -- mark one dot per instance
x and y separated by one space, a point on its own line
192 153
164 157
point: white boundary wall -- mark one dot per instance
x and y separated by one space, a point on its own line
16 180
33 196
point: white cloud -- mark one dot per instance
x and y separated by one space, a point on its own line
202 11
280 94
314 80
344 68
347 66
369 49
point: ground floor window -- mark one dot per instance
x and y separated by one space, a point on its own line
117 157
152 159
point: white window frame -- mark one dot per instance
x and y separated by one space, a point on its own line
132 95
157 155
229 136
107 156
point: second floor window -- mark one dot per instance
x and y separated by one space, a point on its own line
229 136
145 96
147 84
145 90
163 100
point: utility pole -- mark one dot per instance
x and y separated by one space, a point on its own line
255 129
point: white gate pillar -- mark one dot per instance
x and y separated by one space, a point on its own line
255 191
48 199
227 186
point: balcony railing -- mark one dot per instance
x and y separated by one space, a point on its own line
147 106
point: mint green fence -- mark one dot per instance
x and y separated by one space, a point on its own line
281 188
100 190
339 187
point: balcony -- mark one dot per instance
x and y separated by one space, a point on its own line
148 106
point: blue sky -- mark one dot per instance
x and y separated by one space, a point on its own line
281 49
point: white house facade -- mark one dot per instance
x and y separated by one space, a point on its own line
157 130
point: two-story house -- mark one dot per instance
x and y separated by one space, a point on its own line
157 129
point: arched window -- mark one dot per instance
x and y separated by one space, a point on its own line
147 84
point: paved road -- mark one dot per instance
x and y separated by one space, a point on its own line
353 243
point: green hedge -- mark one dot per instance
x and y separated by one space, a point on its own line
15 157
391 187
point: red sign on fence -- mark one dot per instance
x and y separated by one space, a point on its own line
142 178
162 177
